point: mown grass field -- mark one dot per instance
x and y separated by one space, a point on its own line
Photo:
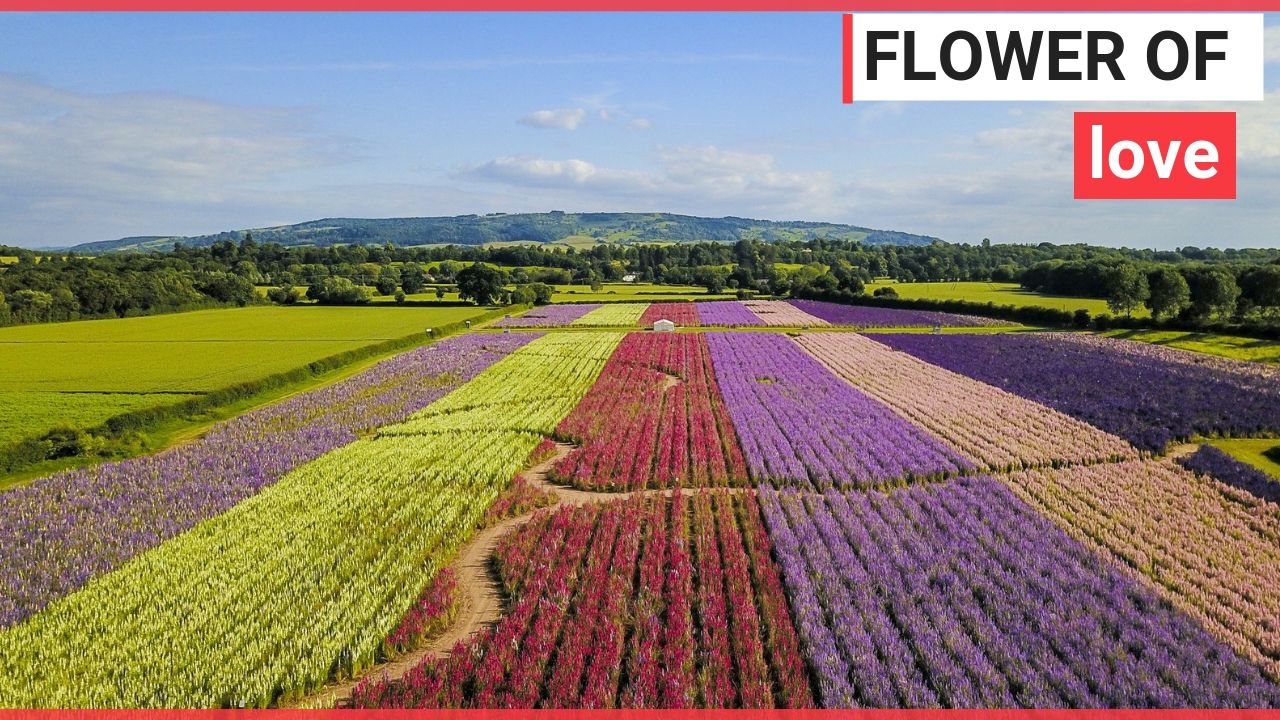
81 373
998 293
1249 450
1230 346
23 414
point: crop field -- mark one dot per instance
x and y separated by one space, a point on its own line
670 559
613 315
998 293
705 519
749 313
78 374
632 292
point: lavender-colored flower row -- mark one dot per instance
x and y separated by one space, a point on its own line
1143 393
1211 461
960 595
59 532
870 317
726 313
798 422
548 316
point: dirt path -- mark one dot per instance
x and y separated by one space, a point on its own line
480 597
1184 450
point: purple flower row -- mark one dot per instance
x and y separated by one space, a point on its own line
798 422
1144 393
1211 461
59 532
866 316
548 316
960 595
726 313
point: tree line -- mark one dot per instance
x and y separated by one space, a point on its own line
52 286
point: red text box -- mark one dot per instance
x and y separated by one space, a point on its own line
1155 156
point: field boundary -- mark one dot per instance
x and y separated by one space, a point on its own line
118 437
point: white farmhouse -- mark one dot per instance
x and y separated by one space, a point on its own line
664 326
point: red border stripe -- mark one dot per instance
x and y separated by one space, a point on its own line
651 5
846 64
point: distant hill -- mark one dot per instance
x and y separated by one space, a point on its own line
575 229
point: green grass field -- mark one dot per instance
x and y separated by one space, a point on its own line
1250 451
1230 346
24 414
8 259
79 374
998 293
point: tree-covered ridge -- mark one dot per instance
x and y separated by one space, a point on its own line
546 227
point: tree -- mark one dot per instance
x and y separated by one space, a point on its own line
713 279
412 278
1213 292
1169 292
338 291
227 288
542 293
284 295
388 280
1126 289
1260 286
479 283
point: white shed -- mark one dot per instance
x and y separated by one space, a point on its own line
664 326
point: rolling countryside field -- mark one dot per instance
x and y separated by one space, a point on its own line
767 509
80 374
994 292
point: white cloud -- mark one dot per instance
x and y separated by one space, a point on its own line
639 124
692 178
560 119
99 162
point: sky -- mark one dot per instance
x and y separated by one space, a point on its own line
115 125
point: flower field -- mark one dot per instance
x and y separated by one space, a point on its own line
682 314
1144 393
1208 548
70 527
548 316
613 315
960 595
993 428
776 313
612 518
799 423
183 624
726 313
676 604
863 316
654 418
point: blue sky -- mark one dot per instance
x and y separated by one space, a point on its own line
137 124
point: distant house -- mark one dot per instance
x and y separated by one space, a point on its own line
664 326
629 278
